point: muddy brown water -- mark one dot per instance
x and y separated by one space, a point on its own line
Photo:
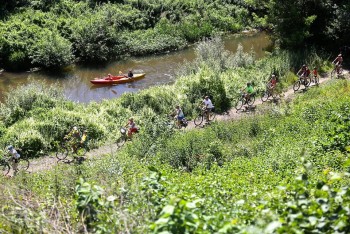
159 69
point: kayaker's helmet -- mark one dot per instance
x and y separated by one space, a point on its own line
10 147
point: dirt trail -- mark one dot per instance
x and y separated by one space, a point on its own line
48 162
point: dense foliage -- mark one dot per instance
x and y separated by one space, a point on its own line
53 34
300 23
56 33
268 173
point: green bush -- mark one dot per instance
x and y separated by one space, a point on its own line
51 50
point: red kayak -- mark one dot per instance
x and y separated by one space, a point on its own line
117 79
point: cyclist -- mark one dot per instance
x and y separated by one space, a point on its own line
73 138
249 90
338 62
179 115
83 138
131 127
273 82
315 74
304 72
207 107
14 158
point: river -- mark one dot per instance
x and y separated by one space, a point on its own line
159 69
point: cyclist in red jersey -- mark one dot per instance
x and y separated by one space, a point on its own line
338 62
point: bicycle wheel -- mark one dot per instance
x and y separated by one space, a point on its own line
251 100
265 96
5 168
184 123
307 81
317 80
81 151
121 141
212 116
62 152
239 104
198 120
340 71
333 73
23 164
296 86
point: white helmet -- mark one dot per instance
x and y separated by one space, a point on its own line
10 147
75 128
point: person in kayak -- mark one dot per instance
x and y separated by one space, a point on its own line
130 74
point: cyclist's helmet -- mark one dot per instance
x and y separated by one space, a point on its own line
273 76
339 55
206 97
75 128
304 65
10 147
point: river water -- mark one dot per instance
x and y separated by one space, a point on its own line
159 69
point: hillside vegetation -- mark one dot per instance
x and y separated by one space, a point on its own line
54 34
282 171
35 117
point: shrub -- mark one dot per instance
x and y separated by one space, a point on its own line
21 101
51 50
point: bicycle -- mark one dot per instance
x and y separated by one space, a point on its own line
124 136
203 114
338 69
269 92
315 80
22 165
303 80
65 146
173 122
245 101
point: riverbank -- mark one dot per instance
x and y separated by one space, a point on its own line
160 69
53 35
35 117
